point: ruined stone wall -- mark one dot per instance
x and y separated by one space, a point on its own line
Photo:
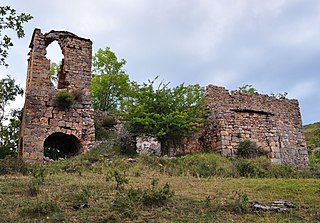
274 124
41 118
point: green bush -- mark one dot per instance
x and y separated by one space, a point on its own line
157 196
249 150
314 158
247 168
63 99
38 174
41 208
13 165
241 203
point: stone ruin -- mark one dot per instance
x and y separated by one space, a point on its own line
43 124
273 124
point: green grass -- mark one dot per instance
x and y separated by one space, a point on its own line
312 134
201 188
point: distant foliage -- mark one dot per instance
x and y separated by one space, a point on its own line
54 70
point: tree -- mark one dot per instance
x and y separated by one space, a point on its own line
9 123
54 70
110 85
8 92
168 114
9 135
8 132
10 20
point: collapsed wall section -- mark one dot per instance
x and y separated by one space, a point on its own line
41 118
274 124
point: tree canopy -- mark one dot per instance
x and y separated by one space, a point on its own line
168 114
9 19
9 90
110 85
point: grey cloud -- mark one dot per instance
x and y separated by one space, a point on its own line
270 44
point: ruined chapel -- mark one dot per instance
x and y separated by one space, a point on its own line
274 124
44 124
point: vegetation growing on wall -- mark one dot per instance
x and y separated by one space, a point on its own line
63 99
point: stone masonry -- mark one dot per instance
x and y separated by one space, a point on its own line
274 124
43 124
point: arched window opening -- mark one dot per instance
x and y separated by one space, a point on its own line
60 145
54 54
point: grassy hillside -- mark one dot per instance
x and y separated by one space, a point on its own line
103 186
312 134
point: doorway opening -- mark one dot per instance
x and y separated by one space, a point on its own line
61 145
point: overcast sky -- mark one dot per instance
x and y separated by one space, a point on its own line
273 45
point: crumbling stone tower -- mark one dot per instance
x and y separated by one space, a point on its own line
44 124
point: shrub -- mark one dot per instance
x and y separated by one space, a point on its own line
133 199
41 208
157 196
249 168
241 202
13 165
120 179
127 143
38 174
248 150
63 99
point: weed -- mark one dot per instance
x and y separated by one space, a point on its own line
13 165
241 202
41 208
129 202
63 99
38 175
120 179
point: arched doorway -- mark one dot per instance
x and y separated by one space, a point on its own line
61 145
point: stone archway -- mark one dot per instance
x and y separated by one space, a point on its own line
61 145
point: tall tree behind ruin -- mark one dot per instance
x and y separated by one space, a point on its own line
9 121
110 85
